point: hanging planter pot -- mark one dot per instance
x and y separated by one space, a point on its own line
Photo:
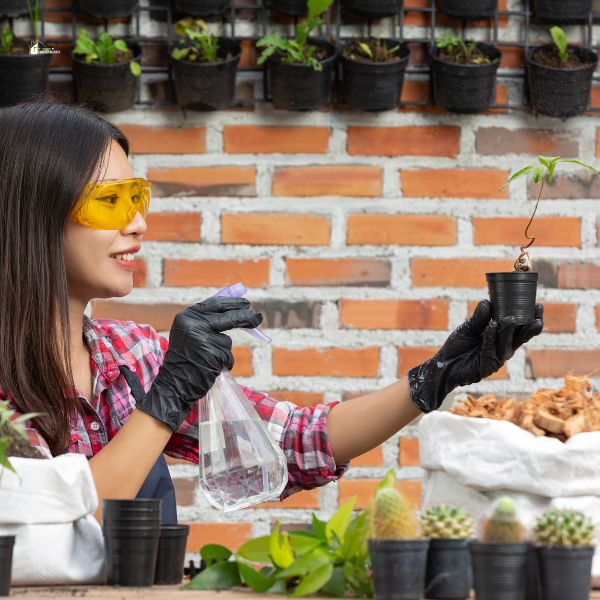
374 9
465 88
468 10
370 85
292 8
558 91
13 8
561 12
23 76
565 572
298 87
207 86
108 9
202 8
513 293
6 553
448 574
108 87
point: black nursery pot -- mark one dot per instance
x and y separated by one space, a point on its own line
557 92
171 554
464 89
207 86
468 10
202 8
399 568
298 86
13 8
108 9
374 9
565 573
563 11
448 572
293 8
513 293
23 76
374 86
108 87
6 552
532 583
499 570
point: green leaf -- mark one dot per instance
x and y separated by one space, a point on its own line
340 520
319 528
221 576
366 49
304 565
121 45
135 68
281 552
7 38
216 551
303 544
104 39
518 175
278 587
389 480
314 581
318 7
547 161
337 584
179 53
257 581
538 173
256 550
560 39
581 164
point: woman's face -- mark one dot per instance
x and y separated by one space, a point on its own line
92 269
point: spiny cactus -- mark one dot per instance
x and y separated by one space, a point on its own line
445 521
389 516
503 525
564 528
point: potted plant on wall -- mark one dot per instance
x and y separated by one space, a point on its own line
559 11
105 72
202 8
374 9
373 73
300 69
463 74
204 67
559 77
468 10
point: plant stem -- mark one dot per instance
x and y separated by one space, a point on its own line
518 263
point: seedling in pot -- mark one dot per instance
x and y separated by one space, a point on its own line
203 45
453 49
105 51
373 50
560 39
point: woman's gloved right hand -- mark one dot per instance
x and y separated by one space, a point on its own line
198 351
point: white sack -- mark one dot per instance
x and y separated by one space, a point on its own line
49 507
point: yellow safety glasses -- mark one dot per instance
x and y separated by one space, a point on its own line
112 204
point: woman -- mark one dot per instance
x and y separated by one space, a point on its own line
117 391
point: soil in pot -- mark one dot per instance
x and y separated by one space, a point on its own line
565 572
513 293
6 553
448 572
560 87
108 9
468 10
202 8
563 12
374 9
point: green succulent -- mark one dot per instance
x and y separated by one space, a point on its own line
443 521
564 528
503 526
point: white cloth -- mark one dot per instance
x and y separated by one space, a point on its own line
49 506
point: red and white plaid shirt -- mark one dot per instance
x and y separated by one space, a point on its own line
301 432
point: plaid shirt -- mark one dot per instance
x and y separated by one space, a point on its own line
301 432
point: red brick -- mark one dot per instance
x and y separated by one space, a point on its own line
173 227
304 499
579 275
512 58
300 399
252 139
230 535
455 272
548 231
409 452
574 185
327 362
203 181
453 183
351 180
160 316
140 275
598 317
185 490
408 141
164 140
242 355
558 363
394 314
184 273
372 458
365 488
343 271
404 230
275 229
500 141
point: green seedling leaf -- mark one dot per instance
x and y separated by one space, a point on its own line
340 520
319 528
135 68
538 173
303 544
304 565
256 550
314 582
215 551
281 551
337 584
221 576
518 175
121 45
278 587
318 7
179 53
560 39
7 38
547 161
581 164
389 480
394 49
257 581
366 49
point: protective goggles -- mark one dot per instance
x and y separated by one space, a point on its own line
112 204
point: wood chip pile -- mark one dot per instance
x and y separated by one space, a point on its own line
554 413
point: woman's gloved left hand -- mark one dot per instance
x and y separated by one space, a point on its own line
475 350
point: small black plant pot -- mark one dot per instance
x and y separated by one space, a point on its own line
374 86
107 87
6 552
374 9
513 293
292 8
565 573
207 86
532 585
202 8
23 76
13 8
448 572
171 554
299 87
559 11
108 9
499 570
399 568
556 92
468 10
465 89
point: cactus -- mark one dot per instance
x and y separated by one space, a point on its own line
564 528
503 525
389 516
445 521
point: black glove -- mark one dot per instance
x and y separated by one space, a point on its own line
474 351
197 353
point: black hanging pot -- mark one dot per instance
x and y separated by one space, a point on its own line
558 92
108 9
299 87
464 89
513 293
374 86
565 573
532 584
6 552
23 76
448 572
202 8
398 568
13 8
108 87
207 86
468 10
293 8
563 11
374 9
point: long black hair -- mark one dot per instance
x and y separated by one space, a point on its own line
49 151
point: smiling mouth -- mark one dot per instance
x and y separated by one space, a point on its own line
127 257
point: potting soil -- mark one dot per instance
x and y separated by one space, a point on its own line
549 57
458 56
380 50
21 448
319 54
